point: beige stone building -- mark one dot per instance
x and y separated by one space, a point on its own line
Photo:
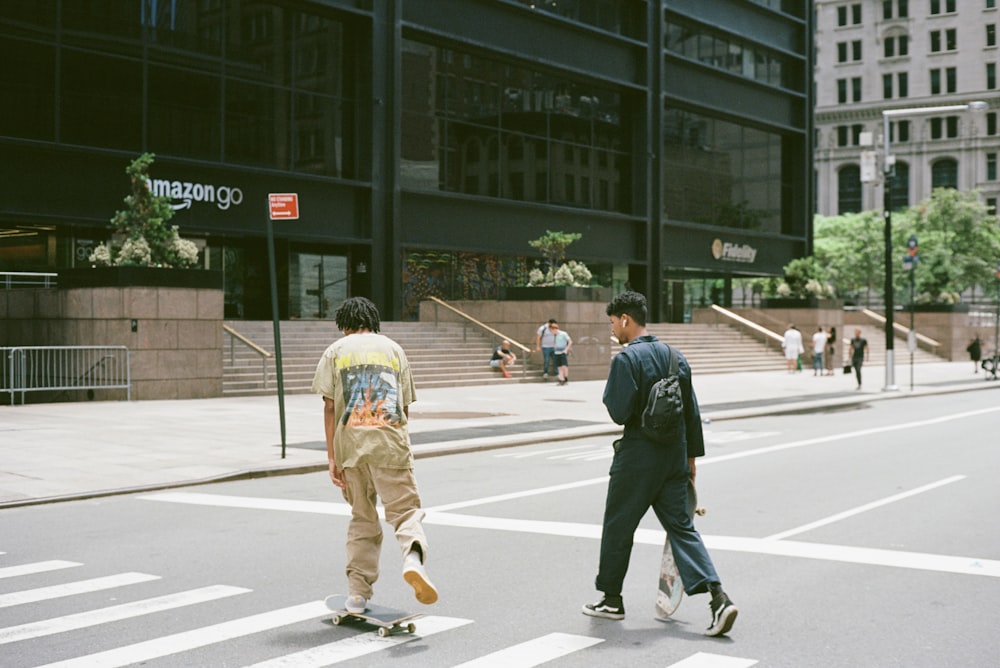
875 55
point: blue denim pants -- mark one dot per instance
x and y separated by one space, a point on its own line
548 355
640 479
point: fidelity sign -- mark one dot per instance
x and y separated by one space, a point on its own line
730 252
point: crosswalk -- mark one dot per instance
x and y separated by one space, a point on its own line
360 643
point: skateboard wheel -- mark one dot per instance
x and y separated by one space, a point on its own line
383 632
337 620
412 628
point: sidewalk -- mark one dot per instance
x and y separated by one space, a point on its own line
53 452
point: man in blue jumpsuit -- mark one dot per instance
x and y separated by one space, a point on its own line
645 474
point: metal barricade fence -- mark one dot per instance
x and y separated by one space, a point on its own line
55 368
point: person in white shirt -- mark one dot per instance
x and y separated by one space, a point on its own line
819 345
545 341
793 347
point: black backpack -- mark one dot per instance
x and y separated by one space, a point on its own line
663 417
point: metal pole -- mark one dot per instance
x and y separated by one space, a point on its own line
277 330
913 269
890 306
996 329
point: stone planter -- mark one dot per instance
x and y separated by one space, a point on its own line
938 308
556 293
121 277
799 302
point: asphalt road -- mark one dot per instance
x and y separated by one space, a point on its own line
854 538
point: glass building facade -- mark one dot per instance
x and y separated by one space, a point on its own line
428 140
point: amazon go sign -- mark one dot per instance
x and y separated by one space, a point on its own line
188 193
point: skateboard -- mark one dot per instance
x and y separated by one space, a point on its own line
388 620
671 591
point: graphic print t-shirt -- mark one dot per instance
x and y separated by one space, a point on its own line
368 377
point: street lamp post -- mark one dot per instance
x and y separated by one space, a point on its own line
888 161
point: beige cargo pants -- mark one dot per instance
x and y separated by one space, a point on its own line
397 489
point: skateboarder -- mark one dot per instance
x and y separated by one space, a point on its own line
367 388
645 474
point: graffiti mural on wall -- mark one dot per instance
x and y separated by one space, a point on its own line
451 275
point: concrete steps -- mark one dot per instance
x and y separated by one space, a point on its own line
718 348
440 355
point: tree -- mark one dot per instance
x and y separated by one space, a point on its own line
143 236
553 246
851 250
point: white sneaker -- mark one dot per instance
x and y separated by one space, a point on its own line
416 576
356 604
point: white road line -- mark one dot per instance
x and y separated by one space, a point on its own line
360 645
189 640
845 436
704 660
534 652
252 503
517 495
73 588
861 509
115 613
38 567
858 555
520 454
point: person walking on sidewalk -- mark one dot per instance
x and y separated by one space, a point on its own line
831 351
975 350
365 381
560 353
503 358
859 354
645 474
545 341
819 345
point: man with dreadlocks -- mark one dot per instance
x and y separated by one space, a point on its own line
367 387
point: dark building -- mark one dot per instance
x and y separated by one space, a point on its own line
428 140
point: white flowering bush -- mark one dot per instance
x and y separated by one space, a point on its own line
563 276
142 236
581 275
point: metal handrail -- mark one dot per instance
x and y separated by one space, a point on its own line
899 329
768 337
525 349
263 354
10 278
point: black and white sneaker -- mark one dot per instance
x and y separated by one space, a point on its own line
724 613
608 607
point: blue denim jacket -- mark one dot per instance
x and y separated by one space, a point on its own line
633 371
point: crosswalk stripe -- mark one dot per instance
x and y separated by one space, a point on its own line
534 652
73 588
115 613
704 660
38 567
189 640
360 645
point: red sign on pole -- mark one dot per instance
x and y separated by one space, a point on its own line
283 206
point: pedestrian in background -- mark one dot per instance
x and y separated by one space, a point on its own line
859 354
367 388
545 341
503 358
831 350
975 350
792 345
819 345
560 352
646 474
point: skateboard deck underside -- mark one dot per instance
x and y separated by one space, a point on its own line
671 589
387 619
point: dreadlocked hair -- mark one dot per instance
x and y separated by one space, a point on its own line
357 313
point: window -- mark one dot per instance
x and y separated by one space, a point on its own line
944 173
856 89
886 10
951 79
887 86
935 82
950 40
856 13
851 13
903 81
889 47
856 50
903 9
944 40
991 34
843 138
842 52
991 123
841 91
849 189
899 191
991 76
942 6
935 41
842 16
899 131
991 166
944 128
